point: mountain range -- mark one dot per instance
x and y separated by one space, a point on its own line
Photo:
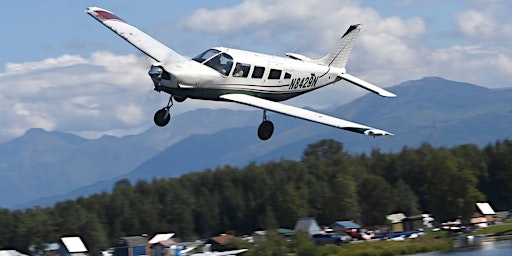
42 167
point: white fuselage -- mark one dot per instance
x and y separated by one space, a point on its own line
265 76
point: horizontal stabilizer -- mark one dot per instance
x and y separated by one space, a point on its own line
365 85
303 114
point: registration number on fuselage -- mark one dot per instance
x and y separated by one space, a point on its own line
303 82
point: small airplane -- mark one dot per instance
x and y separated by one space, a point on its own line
249 78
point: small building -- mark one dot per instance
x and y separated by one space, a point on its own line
342 227
160 244
413 223
402 223
396 221
486 210
308 225
131 246
220 243
478 221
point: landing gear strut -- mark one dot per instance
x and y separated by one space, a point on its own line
162 116
266 128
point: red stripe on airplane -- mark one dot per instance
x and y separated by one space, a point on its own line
103 15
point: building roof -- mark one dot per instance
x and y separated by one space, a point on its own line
485 208
160 237
74 244
134 241
223 239
307 224
284 231
396 218
10 253
347 224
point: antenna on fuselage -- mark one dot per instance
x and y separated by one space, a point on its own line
297 46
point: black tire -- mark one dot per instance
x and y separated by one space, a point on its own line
160 117
265 130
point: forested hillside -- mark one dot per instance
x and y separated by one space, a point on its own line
327 183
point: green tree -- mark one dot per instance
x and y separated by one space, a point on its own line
452 188
405 199
342 201
326 149
376 199
498 186
268 220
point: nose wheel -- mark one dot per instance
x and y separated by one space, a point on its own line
266 128
163 116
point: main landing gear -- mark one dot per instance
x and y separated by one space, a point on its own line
266 128
162 116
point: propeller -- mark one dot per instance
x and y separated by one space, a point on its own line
151 96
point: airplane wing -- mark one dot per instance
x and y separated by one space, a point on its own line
136 37
303 114
233 252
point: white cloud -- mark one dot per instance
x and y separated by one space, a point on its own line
130 114
62 61
477 24
73 93
486 20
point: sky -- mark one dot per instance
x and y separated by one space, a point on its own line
61 70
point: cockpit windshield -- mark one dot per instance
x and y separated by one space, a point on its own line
220 61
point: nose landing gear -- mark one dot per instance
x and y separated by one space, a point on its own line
162 116
266 128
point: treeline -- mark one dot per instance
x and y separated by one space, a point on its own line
327 183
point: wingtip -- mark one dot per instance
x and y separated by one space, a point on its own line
102 14
92 9
387 94
376 132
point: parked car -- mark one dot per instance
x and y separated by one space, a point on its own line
330 238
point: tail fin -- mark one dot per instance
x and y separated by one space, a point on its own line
338 56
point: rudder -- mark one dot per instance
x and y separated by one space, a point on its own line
338 56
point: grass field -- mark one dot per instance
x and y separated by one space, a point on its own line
497 230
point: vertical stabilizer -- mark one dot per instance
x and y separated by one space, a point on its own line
338 56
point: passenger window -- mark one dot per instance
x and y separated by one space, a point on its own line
258 72
241 70
274 74
287 75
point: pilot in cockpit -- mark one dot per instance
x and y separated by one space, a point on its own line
238 72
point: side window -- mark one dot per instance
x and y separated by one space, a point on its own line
274 74
258 72
241 70
287 75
